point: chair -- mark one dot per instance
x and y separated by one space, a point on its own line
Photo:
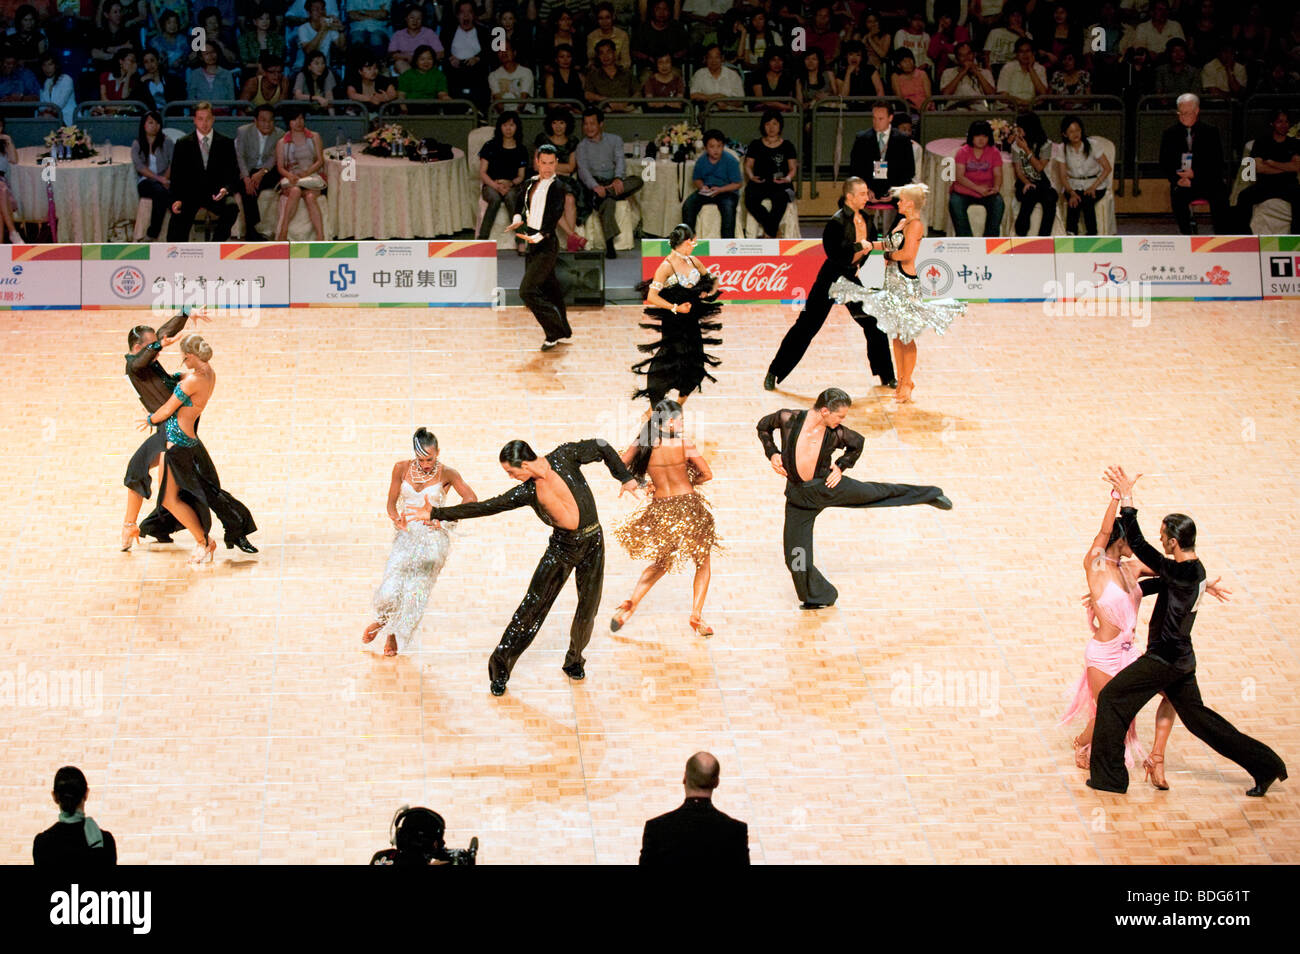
749 228
709 224
918 154
300 227
1270 217
475 142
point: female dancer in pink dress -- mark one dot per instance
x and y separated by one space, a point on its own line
1114 594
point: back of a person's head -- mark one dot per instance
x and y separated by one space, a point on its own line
702 772
70 788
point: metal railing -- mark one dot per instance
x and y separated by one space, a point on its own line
448 120
32 130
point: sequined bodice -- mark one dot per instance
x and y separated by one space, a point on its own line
689 280
431 495
895 240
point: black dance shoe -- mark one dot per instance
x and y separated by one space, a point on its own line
940 502
769 383
243 544
548 344
891 383
1262 787
575 671
1117 791
813 606
498 687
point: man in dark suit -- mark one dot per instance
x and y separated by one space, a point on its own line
1191 158
205 174
847 244
468 46
255 152
697 833
541 209
883 157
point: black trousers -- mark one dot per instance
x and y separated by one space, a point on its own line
805 501
815 311
162 199
1040 194
579 552
253 215
1213 192
179 228
1087 207
778 193
542 292
1121 699
1251 196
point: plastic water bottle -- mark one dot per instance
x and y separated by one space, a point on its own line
108 150
348 154
338 143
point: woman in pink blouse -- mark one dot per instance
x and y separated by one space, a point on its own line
979 181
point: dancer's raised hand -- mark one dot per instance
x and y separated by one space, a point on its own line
1120 480
778 466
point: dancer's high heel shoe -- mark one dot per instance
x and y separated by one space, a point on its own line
701 628
904 393
130 534
1155 769
371 632
619 619
1082 754
203 554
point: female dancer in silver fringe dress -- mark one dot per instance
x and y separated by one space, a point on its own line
420 547
898 308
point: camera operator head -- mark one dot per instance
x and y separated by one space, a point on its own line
417 836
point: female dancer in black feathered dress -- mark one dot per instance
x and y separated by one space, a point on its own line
682 301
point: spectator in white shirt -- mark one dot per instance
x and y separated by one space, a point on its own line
716 83
1159 30
1001 42
320 32
1224 76
297 12
967 78
57 86
916 39
510 83
1023 79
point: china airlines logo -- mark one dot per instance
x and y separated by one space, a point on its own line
760 277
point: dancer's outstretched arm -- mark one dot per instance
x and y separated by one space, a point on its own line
594 449
514 498
1092 560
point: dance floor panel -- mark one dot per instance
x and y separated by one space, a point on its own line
230 714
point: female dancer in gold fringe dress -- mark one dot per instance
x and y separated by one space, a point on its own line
674 526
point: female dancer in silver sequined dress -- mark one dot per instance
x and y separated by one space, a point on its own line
898 308
420 547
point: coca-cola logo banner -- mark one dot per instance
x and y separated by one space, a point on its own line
776 271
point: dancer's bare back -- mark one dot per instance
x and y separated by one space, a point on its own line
555 497
669 465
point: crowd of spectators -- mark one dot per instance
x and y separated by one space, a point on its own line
650 55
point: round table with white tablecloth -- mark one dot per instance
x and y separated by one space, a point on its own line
90 195
936 207
397 198
662 195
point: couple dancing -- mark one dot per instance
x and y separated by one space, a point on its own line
1118 682
898 311
673 527
189 489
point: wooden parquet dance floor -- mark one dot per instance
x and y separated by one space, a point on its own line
230 714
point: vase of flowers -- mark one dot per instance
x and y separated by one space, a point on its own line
69 142
677 139
386 139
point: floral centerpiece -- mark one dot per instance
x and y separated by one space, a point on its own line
1294 131
679 139
71 138
382 140
1004 134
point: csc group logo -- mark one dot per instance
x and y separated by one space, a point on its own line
127 282
343 277
936 277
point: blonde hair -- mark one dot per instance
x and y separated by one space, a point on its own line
195 345
914 192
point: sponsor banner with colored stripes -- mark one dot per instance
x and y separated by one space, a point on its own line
985 269
40 276
750 270
1279 266
1164 267
171 275
448 274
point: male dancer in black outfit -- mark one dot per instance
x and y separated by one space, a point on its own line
1169 665
154 386
558 493
541 209
813 483
847 246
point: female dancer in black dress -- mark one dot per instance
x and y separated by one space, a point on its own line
681 300
190 488
675 526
